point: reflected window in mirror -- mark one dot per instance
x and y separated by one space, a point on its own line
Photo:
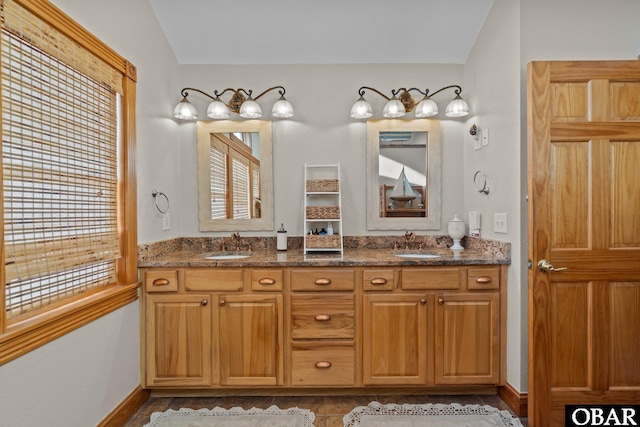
235 176
403 174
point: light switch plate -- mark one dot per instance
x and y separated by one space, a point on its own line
166 223
477 144
500 223
484 138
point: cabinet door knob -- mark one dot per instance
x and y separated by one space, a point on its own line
323 317
322 281
423 301
378 281
484 280
267 281
222 303
204 302
160 282
440 301
323 364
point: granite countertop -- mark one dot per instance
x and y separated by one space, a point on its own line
350 257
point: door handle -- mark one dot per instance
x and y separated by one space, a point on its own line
545 266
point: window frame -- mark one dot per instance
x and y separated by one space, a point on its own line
17 339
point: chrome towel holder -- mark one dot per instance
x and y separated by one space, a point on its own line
159 194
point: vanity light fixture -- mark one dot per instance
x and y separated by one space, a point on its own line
402 102
241 102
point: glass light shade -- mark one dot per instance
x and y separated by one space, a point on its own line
393 108
250 109
217 110
361 109
185 110
282 108
457 108
426 108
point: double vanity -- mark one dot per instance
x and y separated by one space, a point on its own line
264 321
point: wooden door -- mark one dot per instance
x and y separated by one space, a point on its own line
467 338
584 215
251 341
395 339
178 340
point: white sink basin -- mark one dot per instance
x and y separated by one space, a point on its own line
417 255
228 255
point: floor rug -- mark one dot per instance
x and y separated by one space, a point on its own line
234 417
436 415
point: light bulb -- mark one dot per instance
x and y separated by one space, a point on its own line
393 108
217 110
361 109
250 109
282 108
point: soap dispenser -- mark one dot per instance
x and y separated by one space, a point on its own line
281 241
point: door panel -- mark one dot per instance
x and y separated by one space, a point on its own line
584 198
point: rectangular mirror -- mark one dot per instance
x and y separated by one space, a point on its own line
235 176
403 174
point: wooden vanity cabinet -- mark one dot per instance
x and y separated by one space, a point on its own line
316 327
323 328
395 339
207 328
178 340
433 326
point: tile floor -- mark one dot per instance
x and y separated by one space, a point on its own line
329 410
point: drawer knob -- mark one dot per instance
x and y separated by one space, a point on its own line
423 301
323 364
323 317
484 280
222 303
160 282
378 281
441 301
267 281
204 302
322 282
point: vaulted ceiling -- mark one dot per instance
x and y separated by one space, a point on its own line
321 31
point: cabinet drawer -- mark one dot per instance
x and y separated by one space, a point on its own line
267 280
323 317
214 279
379 280
323 280
161 281
321 364
432 278
480 278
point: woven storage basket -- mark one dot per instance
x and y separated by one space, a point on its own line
322 185
323 212
323 242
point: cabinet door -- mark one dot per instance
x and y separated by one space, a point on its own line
178 340
467 338
395 339
251 341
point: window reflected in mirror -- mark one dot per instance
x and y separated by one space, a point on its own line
403 174
235 176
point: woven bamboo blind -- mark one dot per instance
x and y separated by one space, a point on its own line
60 168
28 27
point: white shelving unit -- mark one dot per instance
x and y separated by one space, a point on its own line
322 208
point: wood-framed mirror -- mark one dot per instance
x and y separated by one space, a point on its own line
404 176
235 175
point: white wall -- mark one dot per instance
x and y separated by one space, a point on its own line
321 131
492 79
81 377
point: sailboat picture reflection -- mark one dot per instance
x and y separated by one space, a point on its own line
402 192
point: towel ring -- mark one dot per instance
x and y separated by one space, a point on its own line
156 194
480 182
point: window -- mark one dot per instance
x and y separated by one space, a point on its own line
69 243
235 176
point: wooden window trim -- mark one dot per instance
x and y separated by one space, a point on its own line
21 337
